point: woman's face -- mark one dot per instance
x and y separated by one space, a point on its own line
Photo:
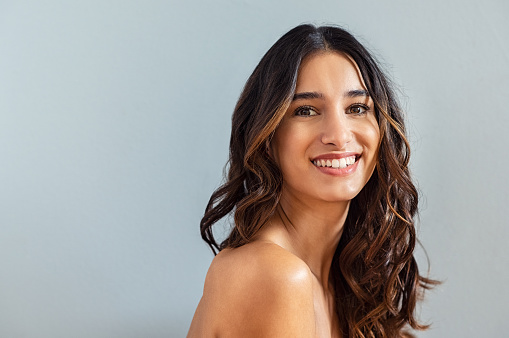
326 145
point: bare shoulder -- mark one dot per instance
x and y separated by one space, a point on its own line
258 262
259 289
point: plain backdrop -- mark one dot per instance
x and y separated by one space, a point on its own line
114 131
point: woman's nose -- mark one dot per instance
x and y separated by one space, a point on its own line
336 129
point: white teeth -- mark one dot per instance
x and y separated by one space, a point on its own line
335 163
342 163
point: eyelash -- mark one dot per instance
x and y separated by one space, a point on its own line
305 108
359 105
301 109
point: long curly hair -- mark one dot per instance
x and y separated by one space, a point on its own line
374 272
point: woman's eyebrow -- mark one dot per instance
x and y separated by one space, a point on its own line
315 95
307 96
356 93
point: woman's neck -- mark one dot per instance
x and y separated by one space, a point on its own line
309 229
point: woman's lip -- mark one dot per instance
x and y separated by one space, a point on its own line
332 156
339 171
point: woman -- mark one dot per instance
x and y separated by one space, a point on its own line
323 203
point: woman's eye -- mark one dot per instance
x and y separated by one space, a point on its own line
305 111
357 109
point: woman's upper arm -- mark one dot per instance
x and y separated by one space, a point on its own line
266 295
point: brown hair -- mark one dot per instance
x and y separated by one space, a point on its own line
375 275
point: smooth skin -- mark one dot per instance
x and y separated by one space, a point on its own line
279 285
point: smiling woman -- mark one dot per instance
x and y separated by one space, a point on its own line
323 235
330 121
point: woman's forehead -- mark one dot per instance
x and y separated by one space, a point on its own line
329 71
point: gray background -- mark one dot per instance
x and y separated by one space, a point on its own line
114 127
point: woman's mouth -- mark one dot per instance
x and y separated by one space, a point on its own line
340 163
